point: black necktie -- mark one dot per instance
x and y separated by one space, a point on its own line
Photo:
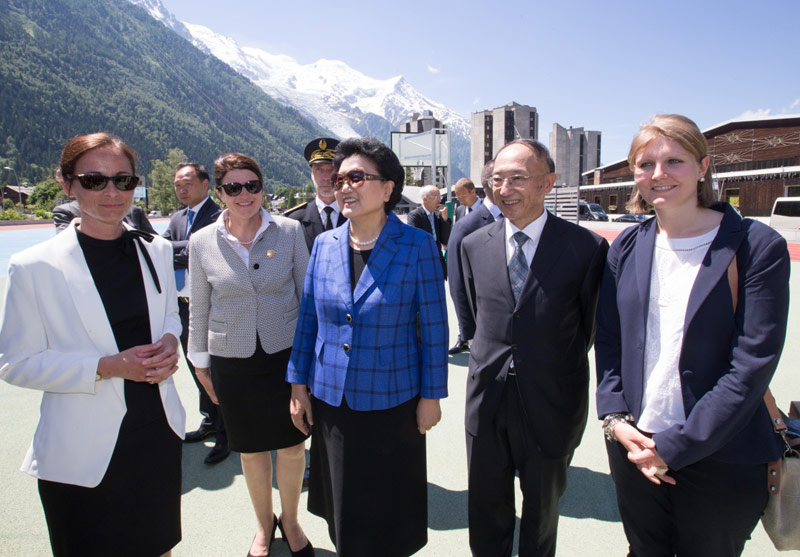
329 221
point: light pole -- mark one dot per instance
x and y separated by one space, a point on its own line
19 188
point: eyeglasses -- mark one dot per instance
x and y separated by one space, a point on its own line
355 178
515 181
97 182
235 188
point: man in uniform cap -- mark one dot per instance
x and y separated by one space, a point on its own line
323 212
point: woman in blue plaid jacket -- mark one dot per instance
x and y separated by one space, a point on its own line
369 361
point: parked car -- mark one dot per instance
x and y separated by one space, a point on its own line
632 217
785 217
154 214
591 211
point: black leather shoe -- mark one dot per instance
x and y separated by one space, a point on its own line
459 347
205 430
219 453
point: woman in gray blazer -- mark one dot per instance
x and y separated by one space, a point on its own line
246 277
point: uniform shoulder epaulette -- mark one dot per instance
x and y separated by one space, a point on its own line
296 208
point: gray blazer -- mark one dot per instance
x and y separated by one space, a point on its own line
230 303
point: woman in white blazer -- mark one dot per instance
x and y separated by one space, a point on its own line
91 319
246 277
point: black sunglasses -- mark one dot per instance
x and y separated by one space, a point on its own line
235 188
355 178
97 182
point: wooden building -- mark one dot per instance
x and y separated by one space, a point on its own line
755 161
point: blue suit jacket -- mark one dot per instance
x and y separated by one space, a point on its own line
726 361
463 227
367 344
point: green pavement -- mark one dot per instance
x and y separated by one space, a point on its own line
218 519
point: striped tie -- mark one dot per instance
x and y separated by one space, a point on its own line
518 266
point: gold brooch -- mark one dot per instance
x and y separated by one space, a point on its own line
270 253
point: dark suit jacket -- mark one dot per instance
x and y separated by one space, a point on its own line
309 217
548 332
63 215
726 363
419 219
176 231
463 227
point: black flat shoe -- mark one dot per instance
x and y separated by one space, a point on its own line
271 538
307 551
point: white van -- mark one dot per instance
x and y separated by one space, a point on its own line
785 218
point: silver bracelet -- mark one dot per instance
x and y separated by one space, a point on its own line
613 420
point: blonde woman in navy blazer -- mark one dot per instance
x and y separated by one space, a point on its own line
697 483
369 361
91 319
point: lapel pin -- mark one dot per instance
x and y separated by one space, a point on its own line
270 253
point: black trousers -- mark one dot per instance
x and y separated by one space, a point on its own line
493 458
712 509
208 409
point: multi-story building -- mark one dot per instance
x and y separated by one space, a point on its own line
491 129
754 162
574 151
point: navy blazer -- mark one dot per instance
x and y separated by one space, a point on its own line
463 227
726 361
383 343
178 236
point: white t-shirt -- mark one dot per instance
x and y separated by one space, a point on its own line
676 262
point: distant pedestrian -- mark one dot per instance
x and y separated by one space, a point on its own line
484 213
432 217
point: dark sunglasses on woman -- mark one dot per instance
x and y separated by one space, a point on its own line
355 178
97 182
235 188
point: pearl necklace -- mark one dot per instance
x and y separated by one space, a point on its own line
368 242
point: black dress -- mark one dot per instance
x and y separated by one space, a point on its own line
135 510
368 472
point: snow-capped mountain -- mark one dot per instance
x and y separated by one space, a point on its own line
329 92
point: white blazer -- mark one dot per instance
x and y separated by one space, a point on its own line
53 332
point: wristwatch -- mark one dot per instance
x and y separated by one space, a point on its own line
612 420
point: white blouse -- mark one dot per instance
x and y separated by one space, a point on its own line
676 262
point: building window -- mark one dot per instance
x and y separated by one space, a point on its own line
732 196
793 191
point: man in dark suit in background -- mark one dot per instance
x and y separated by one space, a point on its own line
467 197
433 220
532 283
63 215
191 188
323 212
484 213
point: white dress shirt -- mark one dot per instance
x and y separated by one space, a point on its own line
323 216
534 233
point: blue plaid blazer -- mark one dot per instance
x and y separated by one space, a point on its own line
365 344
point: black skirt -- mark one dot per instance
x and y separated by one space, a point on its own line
369 479
136 509
254 400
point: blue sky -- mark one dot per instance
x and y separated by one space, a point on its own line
603 65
